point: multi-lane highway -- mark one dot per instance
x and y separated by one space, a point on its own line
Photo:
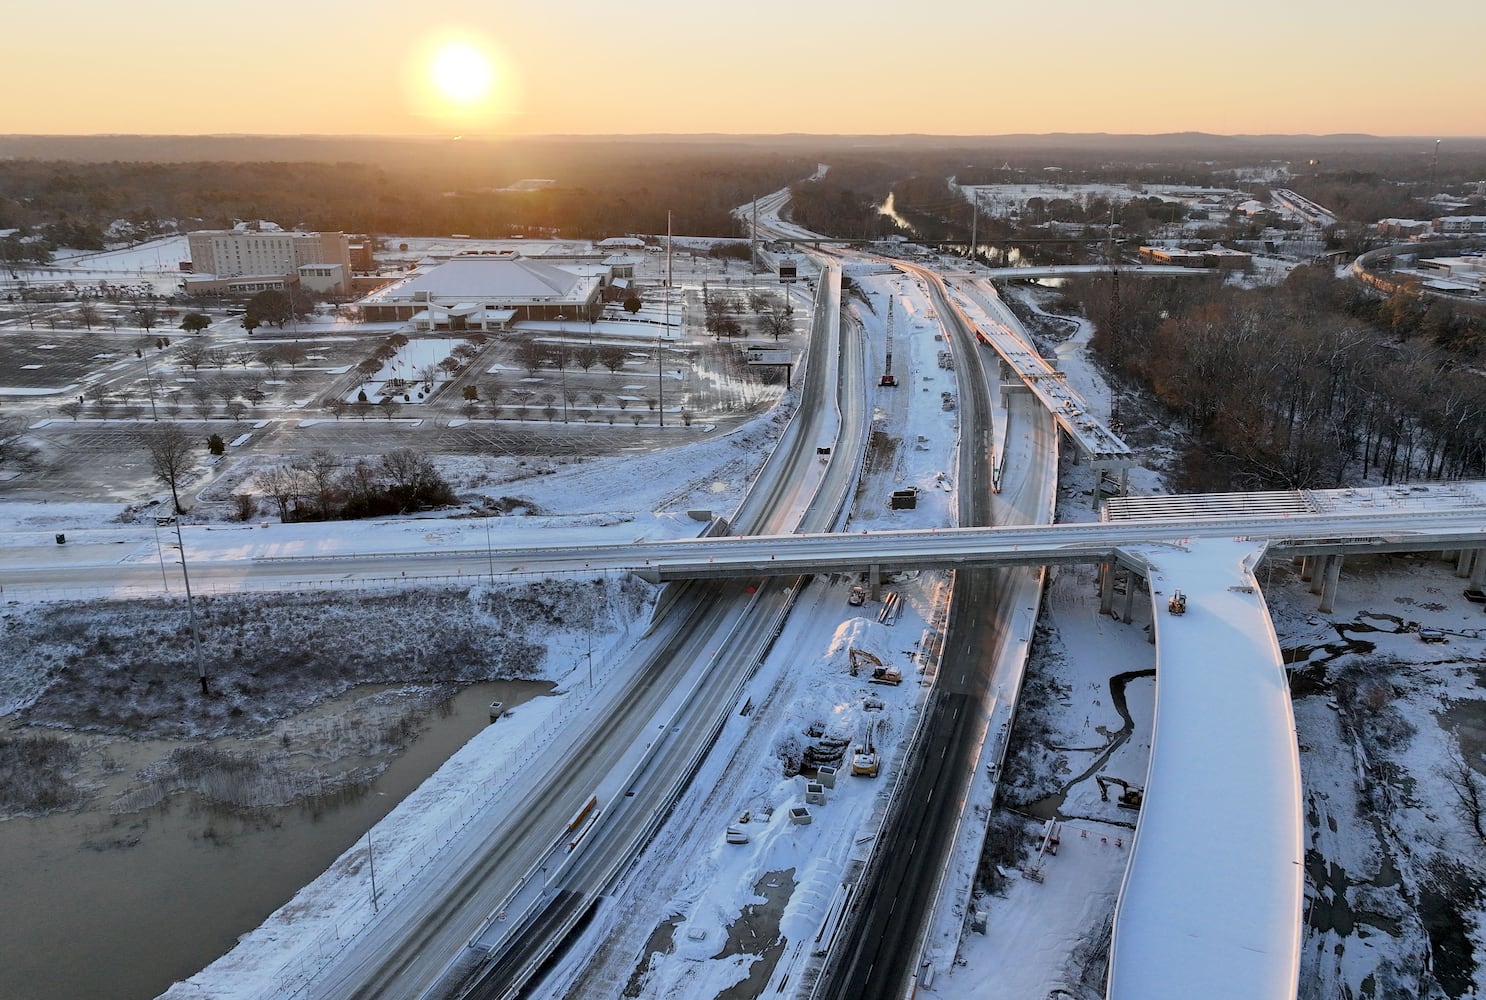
879 951
445 935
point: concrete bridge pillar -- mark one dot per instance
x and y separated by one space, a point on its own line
1333 578
1319 567
1463 562
874 581
1478 572
1307 568
1106 587
1131 579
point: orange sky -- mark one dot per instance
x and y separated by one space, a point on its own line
949 67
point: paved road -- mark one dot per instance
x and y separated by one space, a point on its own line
880 948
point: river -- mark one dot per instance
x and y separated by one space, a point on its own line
122 906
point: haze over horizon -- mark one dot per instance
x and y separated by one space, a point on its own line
956 68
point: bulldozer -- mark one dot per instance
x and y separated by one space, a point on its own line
879 672
1178 603
864 762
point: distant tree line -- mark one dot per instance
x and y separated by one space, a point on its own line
599 191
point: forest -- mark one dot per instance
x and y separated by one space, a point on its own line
595 190
1315 383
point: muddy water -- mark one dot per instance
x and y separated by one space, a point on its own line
120 907
1051 806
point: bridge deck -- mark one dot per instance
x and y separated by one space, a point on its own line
1211 901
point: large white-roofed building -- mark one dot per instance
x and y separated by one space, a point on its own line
485 291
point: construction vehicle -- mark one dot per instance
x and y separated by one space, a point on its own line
1130 795
889 380
879 672
858 596
1178 603
864 762
858 657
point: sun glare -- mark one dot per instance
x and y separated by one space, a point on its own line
462 73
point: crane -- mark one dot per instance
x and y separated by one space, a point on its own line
888 378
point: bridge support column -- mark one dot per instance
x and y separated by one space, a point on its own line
1318 573
874 582
1333 578
1131 579
1478 574
1463 562
1307 568
1106 587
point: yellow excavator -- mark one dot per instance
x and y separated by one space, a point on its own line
1130 797
864 762
879 672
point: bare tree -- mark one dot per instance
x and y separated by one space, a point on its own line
88 314
389 407
100 395
321 470
171 457
1470 801
202 397
612 358
13 447
531 356
777 320
193 354
71 408
235 409
291 354
218 358
283 484
336 405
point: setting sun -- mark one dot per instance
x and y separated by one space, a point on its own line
461 72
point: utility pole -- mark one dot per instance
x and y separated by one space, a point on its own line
191 610
974 219
753 239
1114 292
660 342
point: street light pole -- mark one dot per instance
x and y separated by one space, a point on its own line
191 610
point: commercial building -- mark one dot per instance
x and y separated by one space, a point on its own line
1215 256
487 291
271 257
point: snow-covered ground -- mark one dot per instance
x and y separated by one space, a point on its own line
1041 936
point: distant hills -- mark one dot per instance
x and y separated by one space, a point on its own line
395 150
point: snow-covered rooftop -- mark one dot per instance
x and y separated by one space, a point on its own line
485 276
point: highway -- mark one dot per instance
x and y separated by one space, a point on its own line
878 952
688 675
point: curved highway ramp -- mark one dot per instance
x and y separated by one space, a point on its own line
1211 901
